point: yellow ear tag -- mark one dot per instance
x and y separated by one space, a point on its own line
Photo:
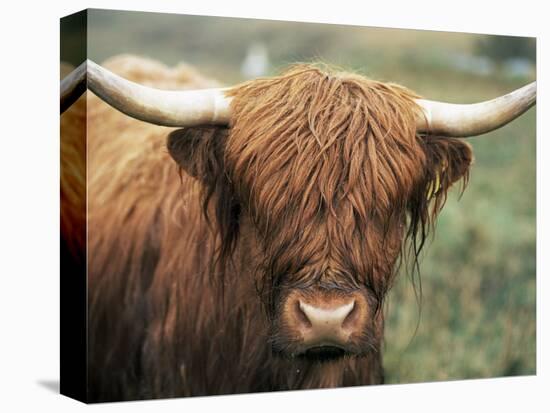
434 187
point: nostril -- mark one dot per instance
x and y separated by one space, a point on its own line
351 317
301 316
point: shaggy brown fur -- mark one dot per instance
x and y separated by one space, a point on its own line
319 181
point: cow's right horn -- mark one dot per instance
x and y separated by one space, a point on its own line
178 108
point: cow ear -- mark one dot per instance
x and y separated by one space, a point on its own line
448 160
199 150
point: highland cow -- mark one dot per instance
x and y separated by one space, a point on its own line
256 254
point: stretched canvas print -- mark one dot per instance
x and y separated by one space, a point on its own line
253 206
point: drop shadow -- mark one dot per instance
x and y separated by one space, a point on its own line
51 385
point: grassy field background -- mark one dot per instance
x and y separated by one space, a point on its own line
477 315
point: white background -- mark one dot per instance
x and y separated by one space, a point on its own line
29 204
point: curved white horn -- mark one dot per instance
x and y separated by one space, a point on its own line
162 107
212 106
72 86
454 120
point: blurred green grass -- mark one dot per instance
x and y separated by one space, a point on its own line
477 315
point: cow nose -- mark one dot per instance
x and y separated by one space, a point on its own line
325 322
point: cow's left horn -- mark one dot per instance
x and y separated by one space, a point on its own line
447 119
162 107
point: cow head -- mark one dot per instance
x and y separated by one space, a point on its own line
318 182
320 178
